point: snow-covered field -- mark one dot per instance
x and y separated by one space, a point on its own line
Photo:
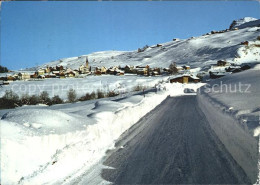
105 83
42 144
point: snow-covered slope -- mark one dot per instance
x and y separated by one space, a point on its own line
245 22
74 62
196 52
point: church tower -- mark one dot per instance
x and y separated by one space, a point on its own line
87 63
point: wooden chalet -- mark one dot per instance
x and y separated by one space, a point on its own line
221 63
185 78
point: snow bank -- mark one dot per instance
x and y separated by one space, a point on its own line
51 146
231 105
241 145
44 120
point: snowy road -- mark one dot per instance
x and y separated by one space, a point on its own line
173 144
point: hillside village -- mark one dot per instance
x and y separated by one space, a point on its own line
84 70
181 74
151 60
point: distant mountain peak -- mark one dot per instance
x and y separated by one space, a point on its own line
244 22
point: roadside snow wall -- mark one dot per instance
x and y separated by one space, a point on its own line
30 158
235 136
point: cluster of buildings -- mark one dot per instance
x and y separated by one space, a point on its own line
223 68
62 72
182 74
48 72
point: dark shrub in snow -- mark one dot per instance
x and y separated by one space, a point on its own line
9 100
34 99
88 96
45 99
111 94
93 95
25 99
56 100
72 95
100 94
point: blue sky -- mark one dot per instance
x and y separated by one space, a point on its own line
38 32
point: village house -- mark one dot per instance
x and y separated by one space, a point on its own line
62 75
47 69
178 68
84 69
72 74
24 76
50 76
59 68
245 43
41 77
3 78
180 79
194 79
120 73
11 78
156 71
184 78
57 73
40 72
215 75
112 70
185 67
33 75
129 69
103 70
221 63
140 70
97 71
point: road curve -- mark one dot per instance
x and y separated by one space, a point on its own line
173 144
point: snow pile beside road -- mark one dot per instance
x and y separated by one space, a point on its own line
51 144
238 96
231 105
44 121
